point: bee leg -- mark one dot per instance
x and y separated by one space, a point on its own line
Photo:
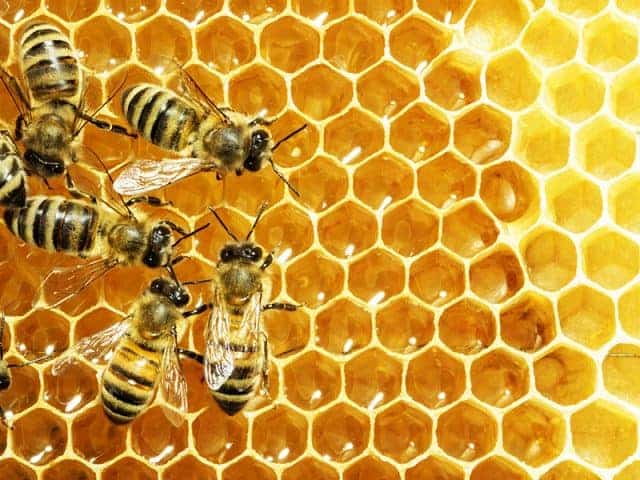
175 227
190 354
198 310
148 199
104 125
289 307
19 130
268 260
265 384
75 193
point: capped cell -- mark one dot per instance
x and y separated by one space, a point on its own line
610 258
587 316
550 39
495 24
620 370
570 470
512 80
610 42
575 92
550 258
624 206
625 103
629 310
580 8
574 201
542 141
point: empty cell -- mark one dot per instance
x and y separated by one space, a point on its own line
469 230
321 11
225 44
550 258
343 327
194 11
610 259
410 228
322 183
376 276
569 470
550 39
575 92
610 42
279 435
435 378
352 45
310 469
283 229
340 433
189 468
155 437
102 57
289 44
498 276
314 279
12 469
300 148
41 333
320 92
39 437
382 180
402 432
446 11
72 11
404 325
446 180
574 201
383 12
385 90
371 467
498 467
68 470
494 24
528 323
453 80
467 327
604 148
542 141
19 293
482 134
415 42
580 8
587 316
71 388
23 392
128 467
499 378
258 90
133 11
435 468
312 380
95 438
372 379
629 310
603 434
437 278
466 432
353 137
223 443
248 467
288 332
620 370
256 11
12 13
347 230
512 80
420 133
174 44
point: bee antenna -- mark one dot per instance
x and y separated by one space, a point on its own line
263 207
104 104
198 282
288 136
226 229
283 178
2 325
190 234
172 273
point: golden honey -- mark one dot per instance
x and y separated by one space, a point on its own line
465 243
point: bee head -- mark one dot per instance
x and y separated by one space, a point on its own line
158 249
246 252
258 148
176 293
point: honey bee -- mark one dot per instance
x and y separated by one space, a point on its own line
80 228
142 352
13 188
207 137
52 112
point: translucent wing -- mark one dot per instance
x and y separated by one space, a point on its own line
249 329
143 176
218 356
63 283
97 347
172 382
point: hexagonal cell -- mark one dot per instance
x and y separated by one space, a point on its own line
469 230
446 180
482 134
383 12
352 45
71 388
404 325
604 148
466 432
280 435
574 201
454 79
498 467
512 81
580 8
20 292
175 43
623 204
12 13
467 327
587 316
95 438
285 228
574 92
550 39
189 468
289 44
322 183
194 11
533 433
258 90
68 470
256 11
225 44
385 89
510 192
312 380
435 379
437 278
287 331
382 180
550 258
223 443
309 92
376 276
102 57
340 433
542 142
128 467
321 11
70 11
620 369
39 436
155 437
353 137
416 42
625 103
343 327
410 228
371 467
528 324
435 468
499 378
497 276
610 259
604 434
41 333
14 470
347 230
310 469
610 42
314 279
495 24
630 472
569 470
23 392
565 376
445 11
420 133
372 379
629 310
132 12
401 432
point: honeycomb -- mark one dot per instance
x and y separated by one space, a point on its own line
465 243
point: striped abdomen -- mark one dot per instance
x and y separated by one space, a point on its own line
159 115
13 190
49 65
55 224
129 382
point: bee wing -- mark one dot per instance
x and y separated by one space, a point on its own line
218 356
172 382
143 176
95 347
61 284
250 325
